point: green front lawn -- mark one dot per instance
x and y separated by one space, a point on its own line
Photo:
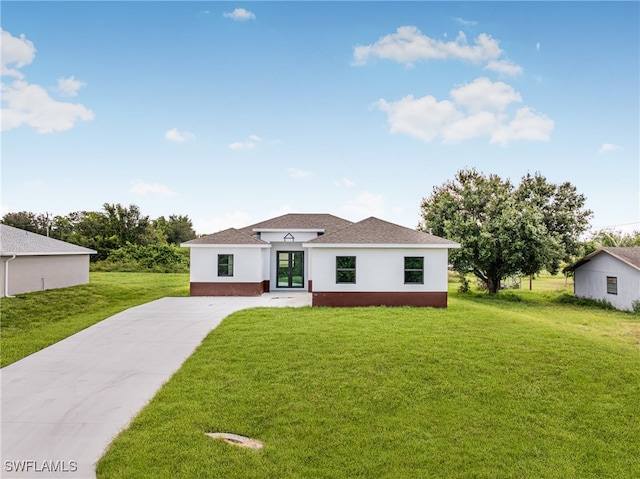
516 386
30 322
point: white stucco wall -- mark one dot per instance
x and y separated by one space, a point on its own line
378 269
247 264
265 253
591 281
37 273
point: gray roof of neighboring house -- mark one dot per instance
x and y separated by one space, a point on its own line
25 243
229 236
628 255
326 222
376 231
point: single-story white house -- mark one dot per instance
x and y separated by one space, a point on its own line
33 262
371 262
611 274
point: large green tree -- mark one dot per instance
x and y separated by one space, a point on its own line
503 229
177 228
608 238
26 220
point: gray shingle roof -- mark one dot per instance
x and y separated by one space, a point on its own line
628 255
336 231
328 223
376 231
24 243
229 236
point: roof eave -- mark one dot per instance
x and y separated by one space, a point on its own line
382 245
46 253
224 245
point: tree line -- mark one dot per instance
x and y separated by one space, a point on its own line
123 237
506 229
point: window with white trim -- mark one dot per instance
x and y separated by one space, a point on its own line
612 285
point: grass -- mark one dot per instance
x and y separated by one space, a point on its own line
515 386
30 322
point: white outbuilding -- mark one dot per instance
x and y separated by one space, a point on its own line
371 262
33 262
610 274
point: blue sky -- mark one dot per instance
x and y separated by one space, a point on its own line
234 112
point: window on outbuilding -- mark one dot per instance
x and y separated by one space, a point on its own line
612 285
225 265
414 270
345 269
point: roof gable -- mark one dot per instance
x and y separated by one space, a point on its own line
300 221
229 236
376 231
628 255
24 243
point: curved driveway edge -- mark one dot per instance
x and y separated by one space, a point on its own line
62 406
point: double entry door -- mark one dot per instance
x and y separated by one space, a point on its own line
290 269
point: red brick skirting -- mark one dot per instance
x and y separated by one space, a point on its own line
309 286
431 299
228 289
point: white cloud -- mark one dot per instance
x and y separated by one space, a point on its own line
69 86
235 219
526 125
246 145
15 50
421 118
28 104
179 136
408 45
241 145
483 94
504 67
465 22
607 147
366 204
141 188
537 46
346 182
299 174
477 109
240 14
31 105
476 125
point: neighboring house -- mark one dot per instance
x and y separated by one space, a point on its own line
611 274
32 262
371 262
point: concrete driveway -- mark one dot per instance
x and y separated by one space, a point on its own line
62 406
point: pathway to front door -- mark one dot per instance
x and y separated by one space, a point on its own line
62 406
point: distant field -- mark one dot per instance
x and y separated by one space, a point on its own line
30 322
518 386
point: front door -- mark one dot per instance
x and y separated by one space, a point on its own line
290 269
